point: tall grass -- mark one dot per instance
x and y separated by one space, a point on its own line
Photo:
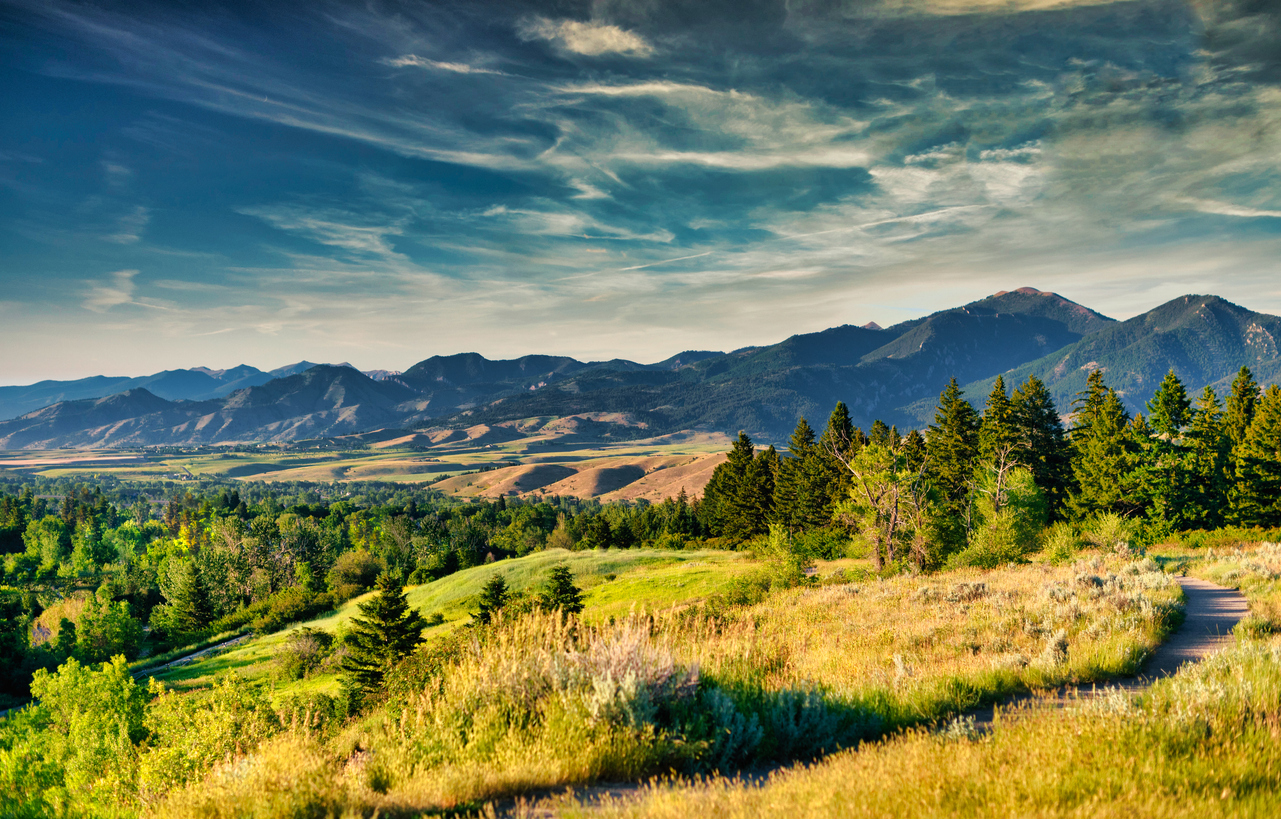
1203 743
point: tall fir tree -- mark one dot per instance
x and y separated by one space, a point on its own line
952 446
1242 403
716 510
998 430
1102 452
1170 410
1258 468
753 504
828 478
192 608
1209 448
1046 451
386 631
790 488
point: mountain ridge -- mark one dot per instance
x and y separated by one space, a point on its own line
893 373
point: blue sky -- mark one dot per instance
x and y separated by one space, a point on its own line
208 184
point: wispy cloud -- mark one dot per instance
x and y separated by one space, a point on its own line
103 294
590 39
437 65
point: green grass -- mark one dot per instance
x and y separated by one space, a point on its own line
645 579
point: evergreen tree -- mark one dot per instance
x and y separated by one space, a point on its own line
1046 451
1209 459
881 435
914 452
1258 470
790 487
1169 411
560 593
752 505
952 447
191 611
828 478
1242 404
1242 401
492 599
1102 452
998 430
717 509
385 633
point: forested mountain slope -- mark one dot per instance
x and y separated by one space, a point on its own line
1204 339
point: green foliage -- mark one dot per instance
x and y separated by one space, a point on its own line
952 446
560 593
304 651
105 629
1009 516
1169 411
492 599
190 733
1258 472
1103 454
385 633
1044 448
95 718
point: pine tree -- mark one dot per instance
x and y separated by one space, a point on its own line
492 599
829 478
952 446
1103 457
1242 401
191 609
385 633
560 593
752 504
1046 451
1209 460
1169 411
998 430
1242 404
717 509
790 487
1258 470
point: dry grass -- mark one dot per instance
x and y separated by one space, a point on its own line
930 646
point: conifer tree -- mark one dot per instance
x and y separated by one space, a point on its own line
716 510
752 505
1169 411
1258 470
1209 459
952 447
1046 451
790 487
827 479
1102 455
1242 404
385 633
191 611
881 435
914 452
998 430
492 599
560 593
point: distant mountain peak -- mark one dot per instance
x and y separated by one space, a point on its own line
1025 291
871 325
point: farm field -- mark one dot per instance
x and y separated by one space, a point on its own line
535 457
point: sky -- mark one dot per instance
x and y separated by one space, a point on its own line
208 184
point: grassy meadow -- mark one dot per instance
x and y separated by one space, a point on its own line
757 676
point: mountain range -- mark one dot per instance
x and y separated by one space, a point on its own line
893 373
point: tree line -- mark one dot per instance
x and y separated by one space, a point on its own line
978 486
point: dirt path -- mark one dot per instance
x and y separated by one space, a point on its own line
1210 613
192 657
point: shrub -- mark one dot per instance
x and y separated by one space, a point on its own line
304 651
354 572
1060 543
1109 531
